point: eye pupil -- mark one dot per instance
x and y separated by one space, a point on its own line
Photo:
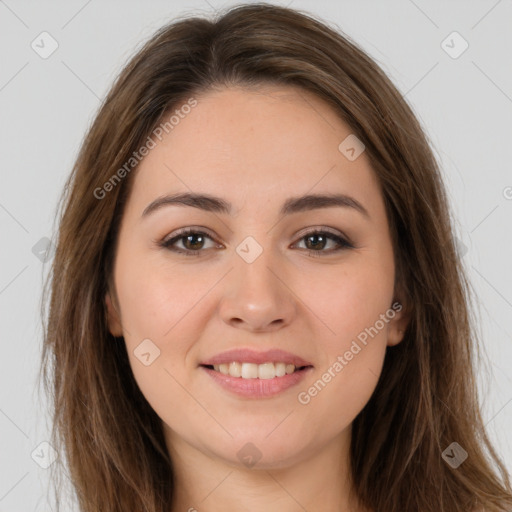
192 236
316 236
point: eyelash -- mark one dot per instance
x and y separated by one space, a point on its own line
167 244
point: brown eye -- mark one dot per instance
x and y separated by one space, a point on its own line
192 242
316 241
196 241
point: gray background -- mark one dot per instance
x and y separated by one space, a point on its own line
464 104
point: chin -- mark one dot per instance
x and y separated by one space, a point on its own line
258 452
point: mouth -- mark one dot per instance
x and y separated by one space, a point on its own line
251 374
256 381
248 371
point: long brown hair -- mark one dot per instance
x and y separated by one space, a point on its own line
426 397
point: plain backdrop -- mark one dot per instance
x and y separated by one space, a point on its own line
462 96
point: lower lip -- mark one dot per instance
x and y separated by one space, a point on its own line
257 388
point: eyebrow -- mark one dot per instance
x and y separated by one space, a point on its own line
292 205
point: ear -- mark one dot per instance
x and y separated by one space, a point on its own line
113 318
398 324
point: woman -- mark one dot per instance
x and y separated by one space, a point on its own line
256 301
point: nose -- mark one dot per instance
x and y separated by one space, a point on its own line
258 295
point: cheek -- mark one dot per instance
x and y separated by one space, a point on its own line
159 306
338 394
351 300
355 310
156 296
351 363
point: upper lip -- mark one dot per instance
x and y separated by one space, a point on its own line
251 356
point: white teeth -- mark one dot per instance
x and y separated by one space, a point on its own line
235 369
266 371
249 371
254 371
280 369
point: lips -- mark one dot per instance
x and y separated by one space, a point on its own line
251 356
256 388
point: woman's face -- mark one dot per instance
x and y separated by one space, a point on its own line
260 279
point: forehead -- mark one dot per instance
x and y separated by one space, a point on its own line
260 142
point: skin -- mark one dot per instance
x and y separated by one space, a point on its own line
255 148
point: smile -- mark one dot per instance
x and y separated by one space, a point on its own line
247 383
255 371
